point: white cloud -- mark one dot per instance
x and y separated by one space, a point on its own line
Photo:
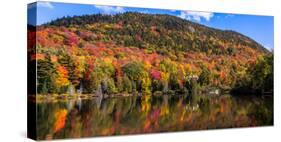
110 9
41 4
45 4
197 16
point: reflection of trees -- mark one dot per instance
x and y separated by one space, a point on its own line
127 115
165 106
45 120
98 101
146 103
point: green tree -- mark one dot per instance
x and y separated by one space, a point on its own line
127 84
138 75
205 76
134 70
261 74
46 73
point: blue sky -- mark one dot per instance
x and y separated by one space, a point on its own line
259 28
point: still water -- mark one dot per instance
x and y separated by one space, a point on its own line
148 114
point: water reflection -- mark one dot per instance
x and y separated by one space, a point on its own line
132 115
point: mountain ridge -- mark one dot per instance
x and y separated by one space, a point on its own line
164 21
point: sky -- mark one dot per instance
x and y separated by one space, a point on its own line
259 28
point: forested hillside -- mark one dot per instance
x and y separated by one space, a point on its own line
144 53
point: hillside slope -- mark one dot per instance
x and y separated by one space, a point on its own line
132 52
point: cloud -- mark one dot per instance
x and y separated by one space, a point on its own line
45 4
41 4
110 9
197 16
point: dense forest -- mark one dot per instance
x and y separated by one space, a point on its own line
133 53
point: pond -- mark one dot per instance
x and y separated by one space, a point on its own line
149 114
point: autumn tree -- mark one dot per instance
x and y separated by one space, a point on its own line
61 79
137 73
103 76
73 66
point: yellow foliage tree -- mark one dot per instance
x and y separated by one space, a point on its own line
62 76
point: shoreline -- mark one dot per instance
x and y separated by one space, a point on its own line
53 98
